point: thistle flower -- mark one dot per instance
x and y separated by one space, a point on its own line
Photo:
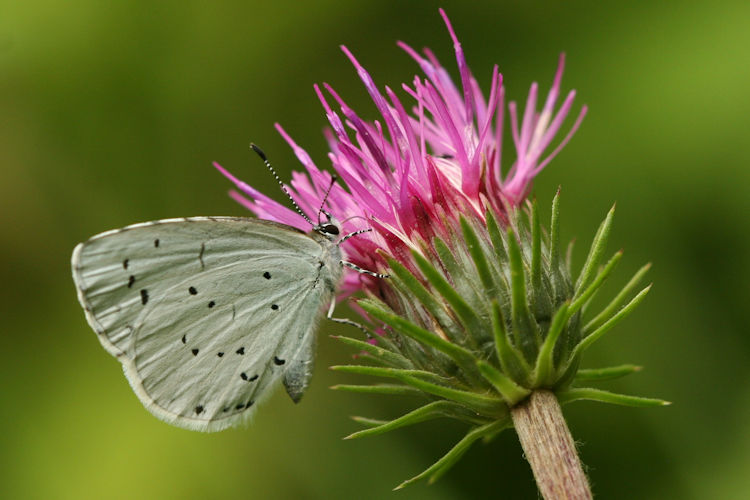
410 175
481 309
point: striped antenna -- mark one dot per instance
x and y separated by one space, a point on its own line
281 184
334 178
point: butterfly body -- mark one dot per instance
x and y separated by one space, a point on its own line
207 314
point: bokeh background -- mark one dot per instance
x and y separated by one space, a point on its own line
111 113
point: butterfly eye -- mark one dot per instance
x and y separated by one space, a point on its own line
330 229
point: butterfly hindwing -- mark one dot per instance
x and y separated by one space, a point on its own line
207 313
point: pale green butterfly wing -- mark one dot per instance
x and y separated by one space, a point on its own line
207 313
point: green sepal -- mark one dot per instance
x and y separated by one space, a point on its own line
544 371
567 373
601 277
589 393
430 411
411 349
391 389
609 373
483 404
525 330
511 392
536 248
368 422
449 459
559 276
410 284
542 303
554 233
611 308
496 237
458 272
590 338
500 257
511 360
478 256
462 357
377 353
466 314
595 253
419 379
379 371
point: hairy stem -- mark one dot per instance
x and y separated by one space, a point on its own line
549 447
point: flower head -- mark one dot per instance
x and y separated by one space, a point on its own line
410 174
480 309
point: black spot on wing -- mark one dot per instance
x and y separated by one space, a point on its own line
253 378
220 354
195 352
131 280
243 376
278 361
192 290
144 296
199 409
267 275
125 263
274 307
211 304
156 243
200 256
240 351
245 405
184 339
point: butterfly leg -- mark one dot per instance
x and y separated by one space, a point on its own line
345 321
354 266
364 271
351 235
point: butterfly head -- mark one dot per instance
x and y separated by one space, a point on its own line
329 228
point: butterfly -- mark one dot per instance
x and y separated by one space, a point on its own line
207 314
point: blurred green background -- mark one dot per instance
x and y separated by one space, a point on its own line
113 111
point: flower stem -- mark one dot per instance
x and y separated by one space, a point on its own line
549 447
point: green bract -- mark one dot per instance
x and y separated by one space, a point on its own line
485 319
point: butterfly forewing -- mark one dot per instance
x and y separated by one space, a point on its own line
206 313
